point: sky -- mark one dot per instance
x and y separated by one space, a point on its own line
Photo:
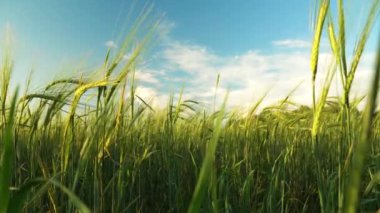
257 47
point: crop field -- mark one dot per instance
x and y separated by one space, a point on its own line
90 144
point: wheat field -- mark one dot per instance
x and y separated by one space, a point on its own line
93 145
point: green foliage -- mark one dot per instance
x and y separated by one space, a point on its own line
7 157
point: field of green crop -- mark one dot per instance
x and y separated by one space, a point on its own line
93 145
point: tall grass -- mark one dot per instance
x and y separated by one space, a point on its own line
84 144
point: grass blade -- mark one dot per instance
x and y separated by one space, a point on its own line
204 175
73 198
351 197
7 158
324 6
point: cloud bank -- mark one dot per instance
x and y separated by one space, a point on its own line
247 76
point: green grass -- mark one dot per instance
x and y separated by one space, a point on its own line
83 144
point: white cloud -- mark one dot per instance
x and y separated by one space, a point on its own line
151 96
146 76
110 44
247 76
146 92
189 58
292 43
164 29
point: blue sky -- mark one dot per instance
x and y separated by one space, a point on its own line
255 45
233 28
